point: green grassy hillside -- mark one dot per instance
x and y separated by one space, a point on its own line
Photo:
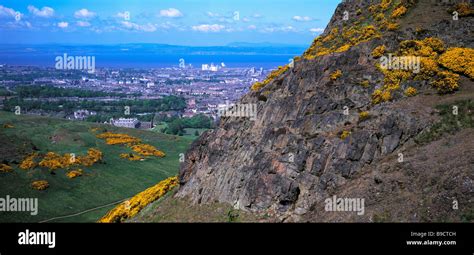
111 180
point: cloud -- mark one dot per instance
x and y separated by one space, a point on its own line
45 12
208 28
212 14
16 24
63 24
171 13
252 27
7 12
84 14
316 30
83 24
302 18
168 25
273 29
287 29
123 15
144 28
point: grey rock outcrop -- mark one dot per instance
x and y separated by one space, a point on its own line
291 158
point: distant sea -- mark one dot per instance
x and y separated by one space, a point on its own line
153 55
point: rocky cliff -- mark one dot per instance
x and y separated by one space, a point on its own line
336 122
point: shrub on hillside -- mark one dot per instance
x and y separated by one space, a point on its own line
4 168
131 207
40 185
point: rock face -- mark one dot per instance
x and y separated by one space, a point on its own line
292 157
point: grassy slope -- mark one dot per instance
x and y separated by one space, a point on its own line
104 183
189 132
172 209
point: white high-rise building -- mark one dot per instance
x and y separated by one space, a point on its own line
213 68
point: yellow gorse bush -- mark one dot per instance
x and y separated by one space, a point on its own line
4 168
345 134
147 150
274 74
337 41
392 26
386 96
134 143
379 17
429 68
447 82
74 173
398 12
363 115
385 4
464 9
410 91
434 43
380 96
378 51
54 161
365 83
130 156
460 60
113 139
130 208
433 59
28 162
40 185
340 39
335 75
343 48
93 156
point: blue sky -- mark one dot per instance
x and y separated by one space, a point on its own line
179 22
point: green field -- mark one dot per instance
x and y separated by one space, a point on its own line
192 131
111 180
188 132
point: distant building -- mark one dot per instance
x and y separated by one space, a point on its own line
212 67
83 114
145 125
189 113
126 122
191 103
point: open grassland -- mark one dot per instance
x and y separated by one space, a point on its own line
112 179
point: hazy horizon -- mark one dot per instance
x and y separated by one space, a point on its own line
137 55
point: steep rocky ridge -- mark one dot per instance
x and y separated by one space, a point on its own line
309 143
